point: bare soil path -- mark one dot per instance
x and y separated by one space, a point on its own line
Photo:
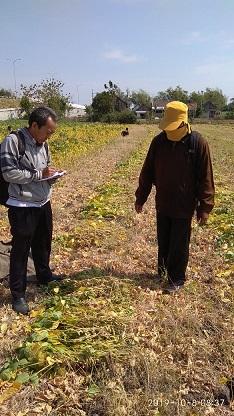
88 173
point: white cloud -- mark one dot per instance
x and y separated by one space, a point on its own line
228 43
195 37
220 39
215 67
121 56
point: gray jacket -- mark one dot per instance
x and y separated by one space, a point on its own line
24 173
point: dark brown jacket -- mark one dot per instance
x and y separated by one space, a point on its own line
182 174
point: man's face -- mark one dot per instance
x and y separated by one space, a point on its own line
41 134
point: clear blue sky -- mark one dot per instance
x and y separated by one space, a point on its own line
149 44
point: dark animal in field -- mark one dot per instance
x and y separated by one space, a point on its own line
125 132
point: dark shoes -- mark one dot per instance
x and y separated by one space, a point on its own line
55 278
52 278
173 287
20 305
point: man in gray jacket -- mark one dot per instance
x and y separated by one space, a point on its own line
29 213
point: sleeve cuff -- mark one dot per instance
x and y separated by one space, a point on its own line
206 209
38 175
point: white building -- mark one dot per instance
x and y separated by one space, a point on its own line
76 111
9 113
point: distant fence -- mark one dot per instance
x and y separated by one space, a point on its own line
9 113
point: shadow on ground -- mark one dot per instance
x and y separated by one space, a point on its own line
143 280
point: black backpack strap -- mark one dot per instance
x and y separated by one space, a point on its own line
21 141
193 147
46 149
193 150
194 141
21 147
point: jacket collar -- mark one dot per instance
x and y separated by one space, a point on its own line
28 137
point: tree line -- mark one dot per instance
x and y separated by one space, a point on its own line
114 105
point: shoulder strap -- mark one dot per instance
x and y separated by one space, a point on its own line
194 141
46 148
192 144
193 149
21 141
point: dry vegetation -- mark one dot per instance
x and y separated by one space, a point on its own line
106 341
9 103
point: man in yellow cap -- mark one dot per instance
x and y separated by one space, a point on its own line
178 164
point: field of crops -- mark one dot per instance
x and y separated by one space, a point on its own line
106 341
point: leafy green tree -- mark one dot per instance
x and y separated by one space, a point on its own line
229 108
127 116
173 94
161 95
102 104
178 94
50 93
141 98
216 97
111 87
111 100
26 105
231 105
123 117
5 93
196 97
89 112
115 92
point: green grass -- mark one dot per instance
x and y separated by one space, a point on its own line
76 325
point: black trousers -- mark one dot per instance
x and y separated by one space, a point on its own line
173 236
30 228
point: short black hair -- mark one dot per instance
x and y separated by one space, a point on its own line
40 115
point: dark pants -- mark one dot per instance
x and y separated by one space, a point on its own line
30 228
173 246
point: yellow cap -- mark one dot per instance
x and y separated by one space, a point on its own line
175 113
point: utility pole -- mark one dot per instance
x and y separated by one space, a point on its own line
202 92
78 92
14 74
78 97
